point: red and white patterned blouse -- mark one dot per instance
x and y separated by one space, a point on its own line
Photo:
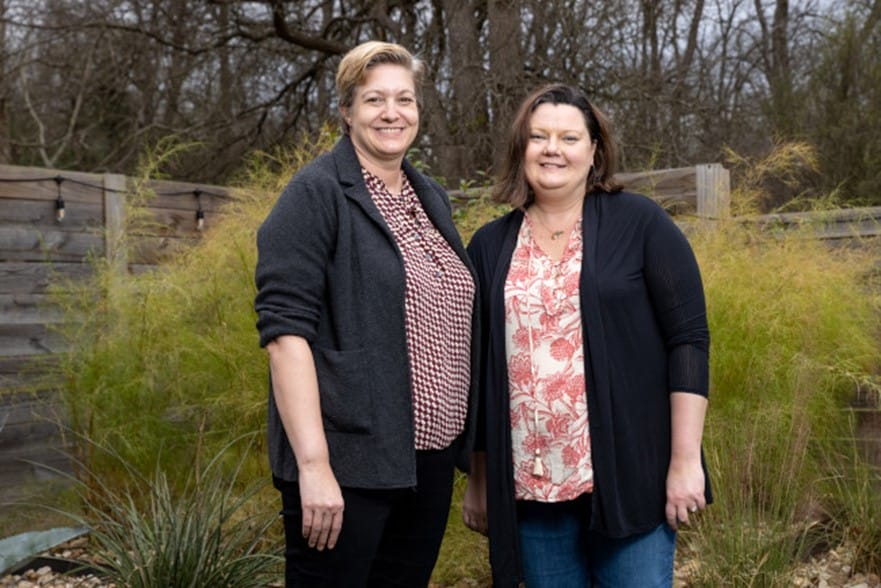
438 306
546 379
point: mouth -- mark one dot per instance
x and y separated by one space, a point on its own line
389 130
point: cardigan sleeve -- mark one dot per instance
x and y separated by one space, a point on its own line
677 295
294 246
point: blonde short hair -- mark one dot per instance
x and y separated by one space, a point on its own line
355 64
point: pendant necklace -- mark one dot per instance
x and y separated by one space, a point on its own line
538 469
554 234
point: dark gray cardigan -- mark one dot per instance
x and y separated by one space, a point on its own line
645 335
329 270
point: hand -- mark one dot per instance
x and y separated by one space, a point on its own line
474 501
322 502
685 491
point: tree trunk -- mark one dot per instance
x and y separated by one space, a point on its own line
5 150
507 79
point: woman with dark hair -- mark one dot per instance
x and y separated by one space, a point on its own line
594 364
365 303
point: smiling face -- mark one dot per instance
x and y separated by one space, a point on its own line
384 116
559 153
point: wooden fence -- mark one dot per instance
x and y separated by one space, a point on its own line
53 226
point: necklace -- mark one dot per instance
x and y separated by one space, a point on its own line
553 234
538 469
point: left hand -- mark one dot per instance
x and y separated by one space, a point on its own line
685 491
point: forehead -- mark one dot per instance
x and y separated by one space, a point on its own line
387 77
558 116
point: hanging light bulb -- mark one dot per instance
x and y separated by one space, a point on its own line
59 201
200 214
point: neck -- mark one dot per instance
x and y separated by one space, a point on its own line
389 171
558 209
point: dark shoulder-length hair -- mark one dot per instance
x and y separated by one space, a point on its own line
511 186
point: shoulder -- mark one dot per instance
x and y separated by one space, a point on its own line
309 195
493 233
630 202
630 209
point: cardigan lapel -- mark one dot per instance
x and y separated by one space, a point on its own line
349 173
593 333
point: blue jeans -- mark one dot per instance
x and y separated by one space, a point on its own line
559 551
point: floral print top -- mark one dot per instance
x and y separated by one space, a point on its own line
546 379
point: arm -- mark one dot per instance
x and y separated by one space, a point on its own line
474 502
295 388
685 476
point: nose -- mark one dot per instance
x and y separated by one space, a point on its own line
551 146
390 110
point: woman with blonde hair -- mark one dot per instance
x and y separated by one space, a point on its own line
366 304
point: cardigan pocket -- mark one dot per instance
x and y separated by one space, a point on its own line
344 389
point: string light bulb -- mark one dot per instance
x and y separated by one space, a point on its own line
59 201
200 214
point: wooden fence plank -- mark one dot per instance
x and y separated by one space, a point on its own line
23 340
115 219
846 223
86 216
28 309
669 187
713 191
23 243
35 278
33 373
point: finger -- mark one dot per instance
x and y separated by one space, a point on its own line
682 513
315 531
324 533
672 517
336 526
308 517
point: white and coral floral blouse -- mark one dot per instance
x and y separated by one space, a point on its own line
546 378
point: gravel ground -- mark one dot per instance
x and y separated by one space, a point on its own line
833 570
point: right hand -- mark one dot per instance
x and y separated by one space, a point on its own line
322 502
474 501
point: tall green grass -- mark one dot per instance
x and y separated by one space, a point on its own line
794 329
166 369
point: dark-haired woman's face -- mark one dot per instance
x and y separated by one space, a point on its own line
559 153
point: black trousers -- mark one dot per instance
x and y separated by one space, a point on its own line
389 538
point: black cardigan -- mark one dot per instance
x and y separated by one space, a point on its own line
329 270
645 334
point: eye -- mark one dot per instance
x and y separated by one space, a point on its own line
406 100
373 100
570 139
536 137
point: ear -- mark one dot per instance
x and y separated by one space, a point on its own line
344 112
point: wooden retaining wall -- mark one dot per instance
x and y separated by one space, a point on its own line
40 247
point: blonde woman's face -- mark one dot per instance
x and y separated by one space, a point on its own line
384 117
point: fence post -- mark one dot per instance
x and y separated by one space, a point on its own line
114 222
713 191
